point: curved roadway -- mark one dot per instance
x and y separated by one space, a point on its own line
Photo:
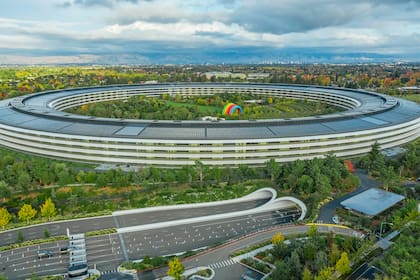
219 258
108 251
135 217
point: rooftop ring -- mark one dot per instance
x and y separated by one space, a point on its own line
37 124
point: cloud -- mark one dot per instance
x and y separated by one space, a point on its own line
93 3
281 17
170 11
139 27
19 59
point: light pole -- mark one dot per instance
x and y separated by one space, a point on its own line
380 230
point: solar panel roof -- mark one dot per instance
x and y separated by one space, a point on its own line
372 201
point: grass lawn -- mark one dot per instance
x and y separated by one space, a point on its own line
202 108
412 97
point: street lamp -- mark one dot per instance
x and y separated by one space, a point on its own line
380 230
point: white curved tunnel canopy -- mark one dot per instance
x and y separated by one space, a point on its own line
272 204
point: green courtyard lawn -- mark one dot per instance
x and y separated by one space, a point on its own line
413 97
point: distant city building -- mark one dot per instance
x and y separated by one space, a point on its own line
258 76
217 74
414 89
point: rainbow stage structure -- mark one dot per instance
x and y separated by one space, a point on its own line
232 108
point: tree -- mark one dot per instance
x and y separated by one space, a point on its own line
20 238
277 238
387 176
282 271
26 213
309 250
325 274
295 265
24 181
273 169
280 250
411 159
343 264
176 268
334 254
199 167
312 231
101 180
376 160
304 184
5 217
307 275
321 260
48 209
5 191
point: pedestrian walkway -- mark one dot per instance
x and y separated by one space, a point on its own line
224 263
103 272
253 253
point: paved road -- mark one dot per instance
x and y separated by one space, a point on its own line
57 228
327 211
106 252
104 222
128 220
219 258
188 237
23 262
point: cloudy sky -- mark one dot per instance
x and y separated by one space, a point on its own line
150 31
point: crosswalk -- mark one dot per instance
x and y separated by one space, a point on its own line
108 271
224 263
133 275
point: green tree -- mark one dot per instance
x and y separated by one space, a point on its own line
334 254
24 181
46 233
295 265
321 260
387 176
312 231
101 180
402 260
343 264
325 274
282 271
411 159
176 268
376 160
5 191
5 217
48 209
309 250
20 238
306 275
26 213
273 169
305 183
200 168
